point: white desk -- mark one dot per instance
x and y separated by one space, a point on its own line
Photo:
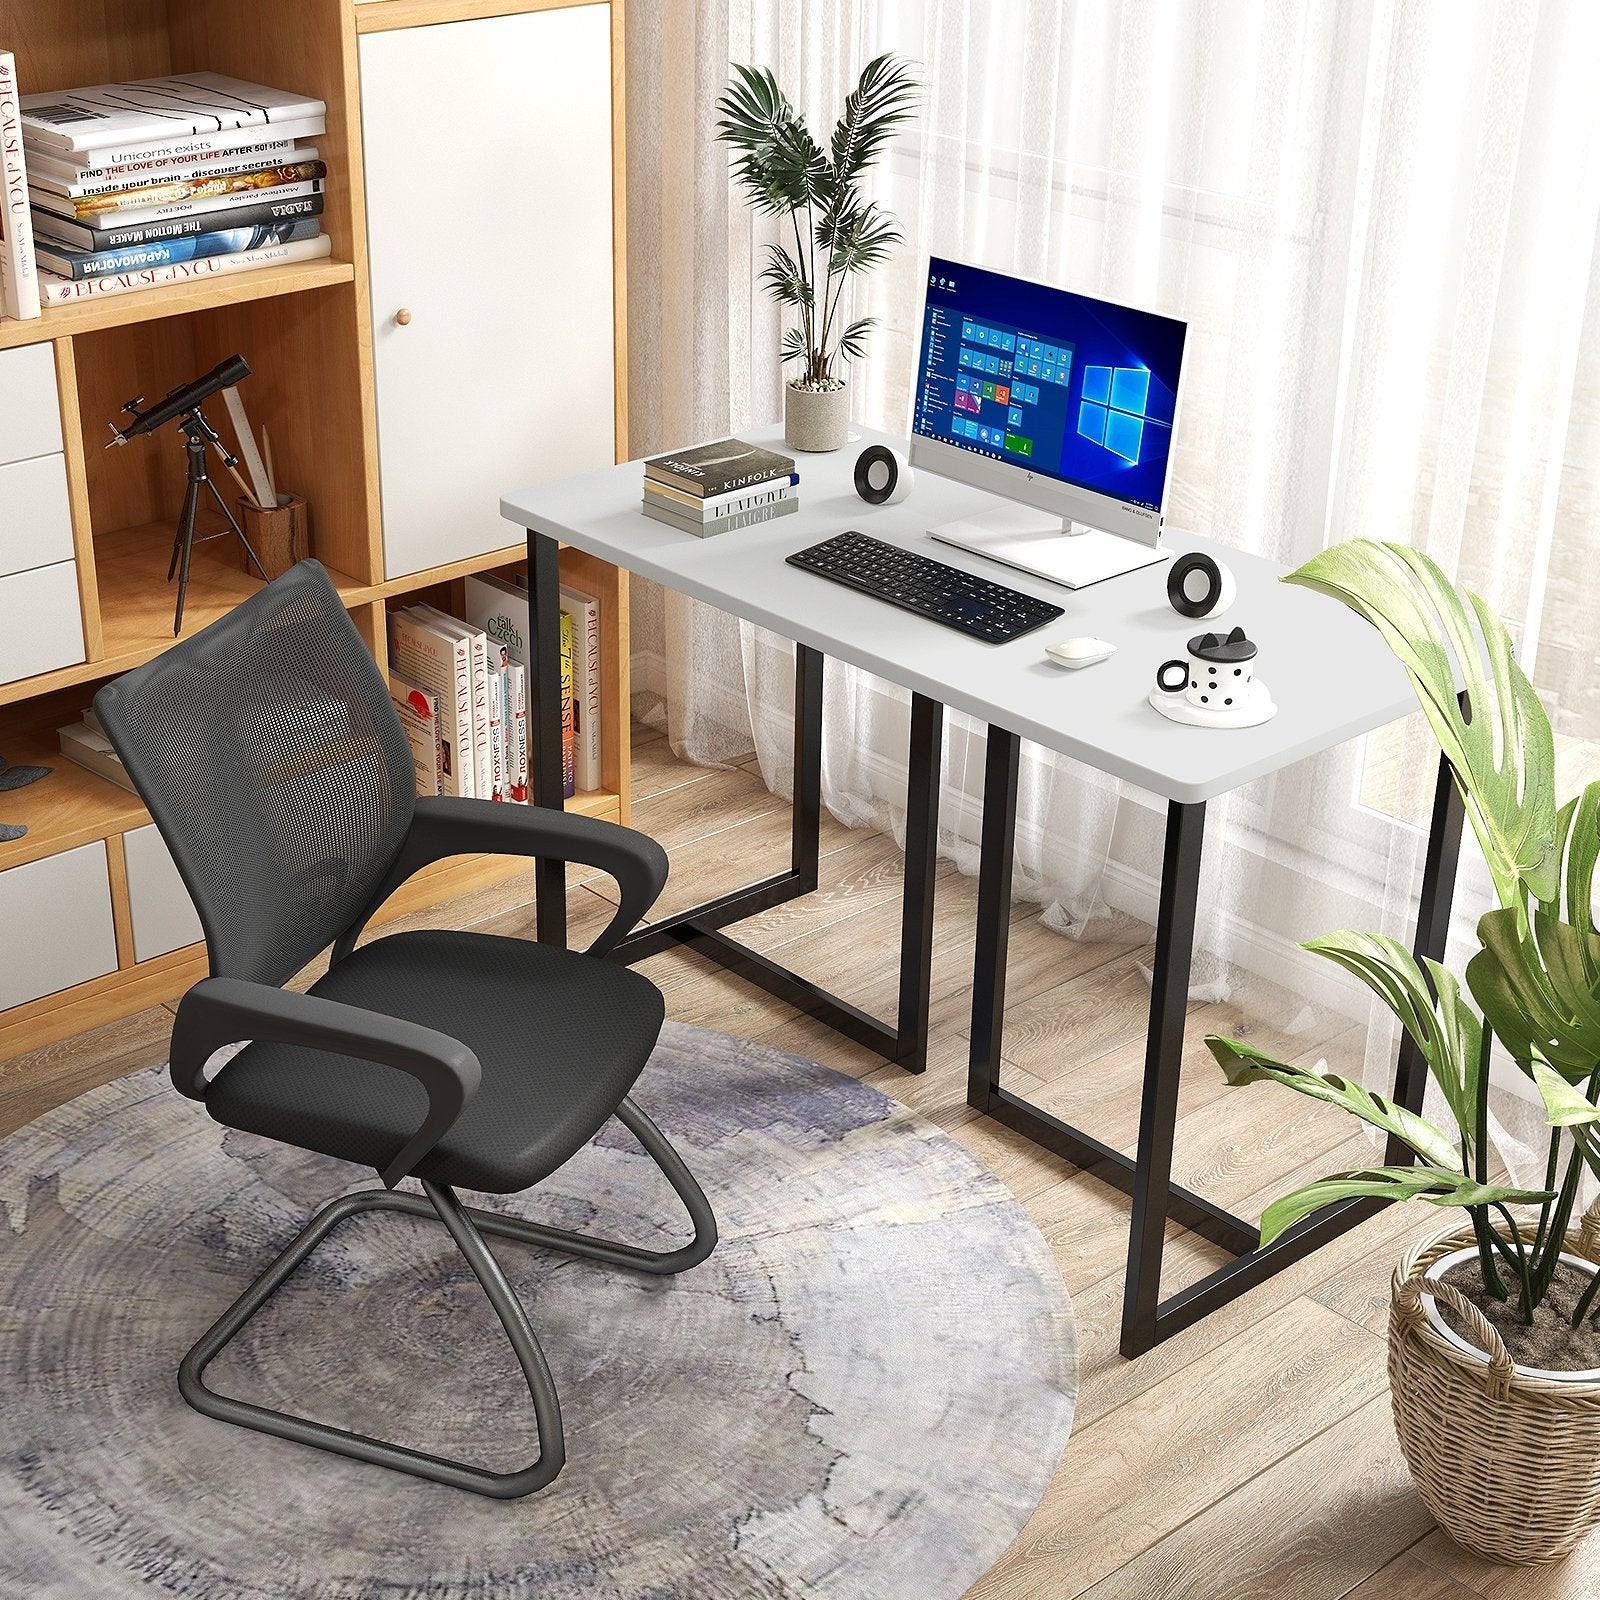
1329 673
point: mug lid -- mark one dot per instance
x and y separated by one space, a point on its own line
1229 647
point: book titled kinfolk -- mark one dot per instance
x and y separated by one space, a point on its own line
185 107
19 273
720 468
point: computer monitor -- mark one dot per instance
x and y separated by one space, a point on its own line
1061 404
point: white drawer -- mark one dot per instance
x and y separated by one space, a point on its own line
41 627
30 410
35 515
164 917
55 924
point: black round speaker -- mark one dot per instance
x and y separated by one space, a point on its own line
883 476
1199 586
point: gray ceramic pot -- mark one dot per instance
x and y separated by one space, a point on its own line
816 419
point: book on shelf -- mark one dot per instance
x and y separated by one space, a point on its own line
56 291
477 644
517 695
86 744
182 107
584 609
272 205
66 178
75 264
710 507
720 468
499 765
500 608
179 196
441 664
730 524
569 725
19 272
419 716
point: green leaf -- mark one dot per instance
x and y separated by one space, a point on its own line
779 164
1242 1063
1389 1183
1533 986
1443 1028
785 278
795 347
881 103
1564 1106
1503 757
853 341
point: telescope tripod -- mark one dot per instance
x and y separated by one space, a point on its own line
197 433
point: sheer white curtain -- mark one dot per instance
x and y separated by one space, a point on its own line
1378 218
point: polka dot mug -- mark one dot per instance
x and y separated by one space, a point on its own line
1216 673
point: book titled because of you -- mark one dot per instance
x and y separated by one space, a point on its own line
55 291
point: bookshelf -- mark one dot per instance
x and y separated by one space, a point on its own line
308 332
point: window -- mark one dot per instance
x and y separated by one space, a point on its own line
1112 412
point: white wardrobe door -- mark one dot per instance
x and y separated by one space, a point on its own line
488 168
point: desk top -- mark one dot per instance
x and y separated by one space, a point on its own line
1329 672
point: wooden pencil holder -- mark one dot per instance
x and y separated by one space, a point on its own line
280 535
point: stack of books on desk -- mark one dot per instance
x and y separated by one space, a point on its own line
131 185
715 488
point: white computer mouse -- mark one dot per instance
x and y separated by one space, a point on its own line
1079 652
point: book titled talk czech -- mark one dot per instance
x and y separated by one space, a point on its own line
713 469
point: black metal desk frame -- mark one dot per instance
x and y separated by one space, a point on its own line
701 928
1147 1319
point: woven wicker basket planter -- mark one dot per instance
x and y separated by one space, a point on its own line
1508 1464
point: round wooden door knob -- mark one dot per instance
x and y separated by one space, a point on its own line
403 317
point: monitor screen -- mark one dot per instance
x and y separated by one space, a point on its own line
1057 383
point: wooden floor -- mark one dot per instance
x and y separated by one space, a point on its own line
1251 1456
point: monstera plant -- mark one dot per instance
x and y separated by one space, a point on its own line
1536 976
1504 1448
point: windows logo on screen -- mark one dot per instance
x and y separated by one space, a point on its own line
1113 409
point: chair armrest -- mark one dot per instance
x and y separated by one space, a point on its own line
447 825
219 1011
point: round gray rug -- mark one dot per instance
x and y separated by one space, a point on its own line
863 1393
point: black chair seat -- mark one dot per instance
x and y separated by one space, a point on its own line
561 1038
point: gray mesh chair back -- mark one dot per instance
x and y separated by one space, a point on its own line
276 768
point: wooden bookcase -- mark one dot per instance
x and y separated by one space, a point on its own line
307 331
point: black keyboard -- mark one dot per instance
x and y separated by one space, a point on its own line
932 589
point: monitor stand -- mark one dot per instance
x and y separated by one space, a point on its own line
1068 553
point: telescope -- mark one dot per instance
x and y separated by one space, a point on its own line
185 398
182 406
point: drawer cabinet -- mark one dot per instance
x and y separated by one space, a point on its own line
41 627
55 924
164 917
30 408
35 517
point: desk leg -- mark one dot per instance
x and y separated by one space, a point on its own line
922 860
998 848
1433 928
805 825
544 697
1163 1061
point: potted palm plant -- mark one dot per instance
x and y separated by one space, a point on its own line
1493 1337
836 231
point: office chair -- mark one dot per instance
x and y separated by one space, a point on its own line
273 762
